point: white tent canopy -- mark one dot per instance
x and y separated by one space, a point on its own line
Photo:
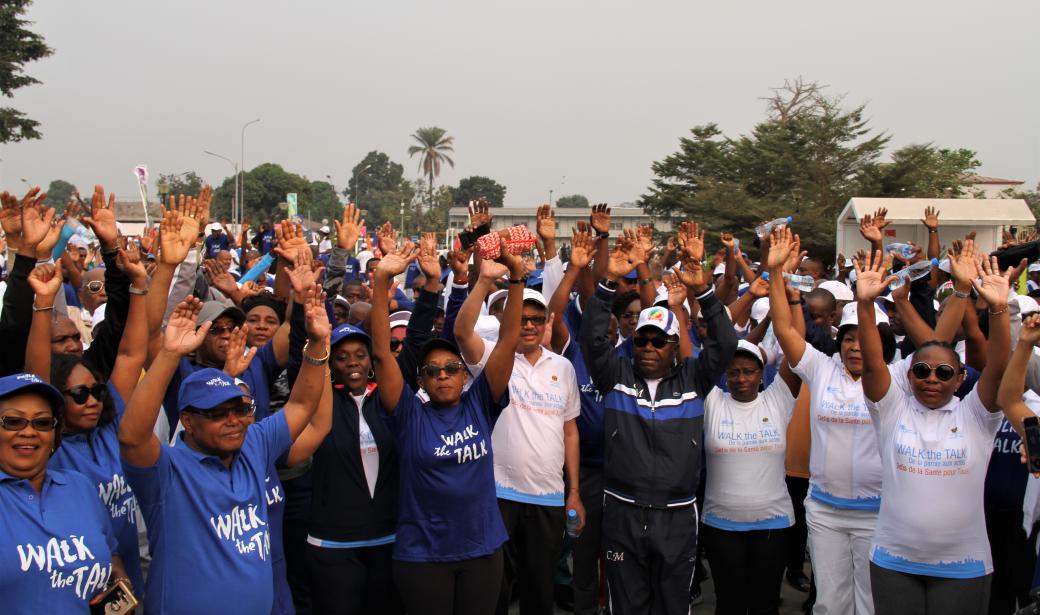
988 217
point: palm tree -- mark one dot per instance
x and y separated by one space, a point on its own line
433 142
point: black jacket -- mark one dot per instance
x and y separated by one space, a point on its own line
653 445
342 509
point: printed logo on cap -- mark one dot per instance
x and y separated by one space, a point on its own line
218 382
29 378
657 315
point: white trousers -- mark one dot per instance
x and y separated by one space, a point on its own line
839 544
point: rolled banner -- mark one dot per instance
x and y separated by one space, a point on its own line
519 239
141 173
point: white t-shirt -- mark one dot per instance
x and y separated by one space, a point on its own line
935 461
745 443
844 464
369 450
528 437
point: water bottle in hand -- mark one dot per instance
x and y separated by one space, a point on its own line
905 250
802 283
572 523
914 272
765 229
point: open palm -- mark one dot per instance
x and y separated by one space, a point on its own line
181 336
993 285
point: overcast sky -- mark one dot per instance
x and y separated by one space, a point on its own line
577 97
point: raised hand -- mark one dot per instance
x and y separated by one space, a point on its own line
600 218
458 260
128 261
691 241
397 261
37 220
992 286
636 254
963 263
759 287
45 281
931 218
479 212
727 240
181 336
546 224
869 229
102 218
880 220
317 319
301 274
291 241
249 289
620 264
10 215
492 271
645 240
676 292
238 356
348 231
781 246
387 235
429 261
516 264
203 201
871 276
189 214
581 248
173 245
692 274
1030 332
218 277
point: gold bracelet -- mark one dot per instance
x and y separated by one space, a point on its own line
312 360
992 313
42 309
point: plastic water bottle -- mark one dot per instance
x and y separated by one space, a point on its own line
572 523
261 266
72 227
764 229
803 283
765 276
905 250
914 272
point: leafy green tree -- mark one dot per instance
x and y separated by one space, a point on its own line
189 184
59 193
264 188
319 200
477 186
573 200
433 143
380 189
18 46
1032 198
923 171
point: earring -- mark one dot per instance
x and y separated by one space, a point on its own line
371 374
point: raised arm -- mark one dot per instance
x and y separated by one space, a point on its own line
962 268
992 287
603 363
316 431
388 373
931 222
458 260
314 373
581 251
138 444
726 289
133 346
644 246
677 304
1013 384
599 220
470 344
791 341
45 281
499 365
871 280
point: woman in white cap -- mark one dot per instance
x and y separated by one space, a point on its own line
747 510
930 554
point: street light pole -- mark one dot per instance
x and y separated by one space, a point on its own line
234 198
336 202
357 185
402 219
241 169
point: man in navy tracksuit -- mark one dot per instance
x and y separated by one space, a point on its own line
653 424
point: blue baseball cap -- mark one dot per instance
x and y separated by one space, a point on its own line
206 389
342 332
632 275
534 278
30 383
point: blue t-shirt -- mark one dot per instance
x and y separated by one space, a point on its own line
71 296
1006 476
208 525
95 454
265 241
590 421
55 547
215 244
448 510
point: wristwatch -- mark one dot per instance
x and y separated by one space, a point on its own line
603 235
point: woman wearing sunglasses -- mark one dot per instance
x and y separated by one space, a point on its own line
57 544
447 554
930 553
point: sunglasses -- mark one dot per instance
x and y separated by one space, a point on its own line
942 371
534 320
17 423
95 286
80 393
219 330
432 371
658 342
219 414
395 343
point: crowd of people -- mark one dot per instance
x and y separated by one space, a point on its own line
330 422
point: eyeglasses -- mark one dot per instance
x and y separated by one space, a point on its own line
433 371
658 342
95 286
534 320
81 392
395 343
219 330
942 371
630 315
17 423
219 414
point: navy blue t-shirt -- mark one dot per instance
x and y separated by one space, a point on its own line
590 421
215 244
448 509
1007 476
265 241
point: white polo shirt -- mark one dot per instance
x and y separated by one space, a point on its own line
844 463
935 461
527 439
745 443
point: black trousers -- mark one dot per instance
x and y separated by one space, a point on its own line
747 568
900 593
353 581
588 546
530 556
468 587
798 535
1013 561
649 557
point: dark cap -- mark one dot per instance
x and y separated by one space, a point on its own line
437 343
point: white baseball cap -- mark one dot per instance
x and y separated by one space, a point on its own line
840 290
1027 305
531 294
759 309
1034 267
213 226
495 296
752 349
719 269
850 317
659 318
944 265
